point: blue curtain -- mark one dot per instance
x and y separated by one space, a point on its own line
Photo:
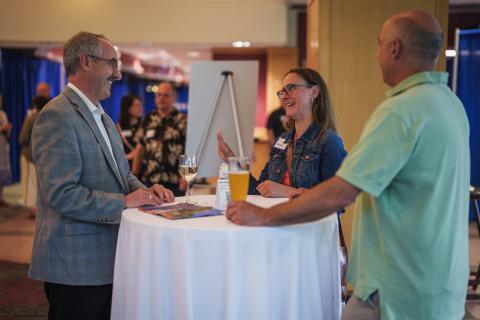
20 73
468 90
50 72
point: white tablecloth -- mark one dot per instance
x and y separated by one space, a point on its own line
209 268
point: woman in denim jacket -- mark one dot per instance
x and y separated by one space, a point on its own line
307 154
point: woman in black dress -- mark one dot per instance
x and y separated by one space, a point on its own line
129 122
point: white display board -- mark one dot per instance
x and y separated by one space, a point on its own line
205 80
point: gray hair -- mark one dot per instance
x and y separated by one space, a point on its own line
421 43
81 43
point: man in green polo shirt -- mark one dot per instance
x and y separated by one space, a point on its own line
409 174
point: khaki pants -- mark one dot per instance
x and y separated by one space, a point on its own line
23 179
31 194
357 309
28 182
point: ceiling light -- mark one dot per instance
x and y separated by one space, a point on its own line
193 54
450 53
240 44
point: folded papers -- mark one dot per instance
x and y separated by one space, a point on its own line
181 211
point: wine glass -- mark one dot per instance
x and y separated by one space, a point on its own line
187 167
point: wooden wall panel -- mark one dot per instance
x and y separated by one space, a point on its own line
279 61
313 19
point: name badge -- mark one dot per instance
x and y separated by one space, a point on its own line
127 133
281 144
150 133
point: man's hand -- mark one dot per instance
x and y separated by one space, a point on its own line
224 150
162 193
296 192
130 155
272 189
141 197
247 214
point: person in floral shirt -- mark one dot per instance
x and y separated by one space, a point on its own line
162 137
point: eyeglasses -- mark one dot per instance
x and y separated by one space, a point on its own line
112 62
289 88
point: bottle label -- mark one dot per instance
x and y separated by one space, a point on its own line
222 195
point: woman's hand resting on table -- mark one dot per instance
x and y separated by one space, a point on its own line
272 189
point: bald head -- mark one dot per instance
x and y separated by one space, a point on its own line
43 89
409 43
420 33
165 98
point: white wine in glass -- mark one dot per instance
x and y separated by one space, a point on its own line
187 167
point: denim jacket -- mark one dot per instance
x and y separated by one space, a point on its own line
315 158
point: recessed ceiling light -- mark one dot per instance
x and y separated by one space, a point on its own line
240 44
450 53
193 54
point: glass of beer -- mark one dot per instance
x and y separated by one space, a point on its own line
238 176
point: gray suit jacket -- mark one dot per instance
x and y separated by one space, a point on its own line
80 194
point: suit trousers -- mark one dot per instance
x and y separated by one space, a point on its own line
78 302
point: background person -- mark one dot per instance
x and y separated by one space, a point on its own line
41 90
162 137
311 151
129 121
5 169
276 124
25 140
410 176
84 183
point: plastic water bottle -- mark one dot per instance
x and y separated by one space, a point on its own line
223 188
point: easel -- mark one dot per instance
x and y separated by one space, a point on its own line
224 76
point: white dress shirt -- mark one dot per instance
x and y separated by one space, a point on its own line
97 112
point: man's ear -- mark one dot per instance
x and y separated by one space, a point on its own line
85 62
396 48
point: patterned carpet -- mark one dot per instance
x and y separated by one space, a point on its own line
20 297
7 213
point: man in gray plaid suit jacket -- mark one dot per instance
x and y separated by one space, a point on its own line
84 183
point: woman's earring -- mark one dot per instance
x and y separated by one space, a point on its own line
311 100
